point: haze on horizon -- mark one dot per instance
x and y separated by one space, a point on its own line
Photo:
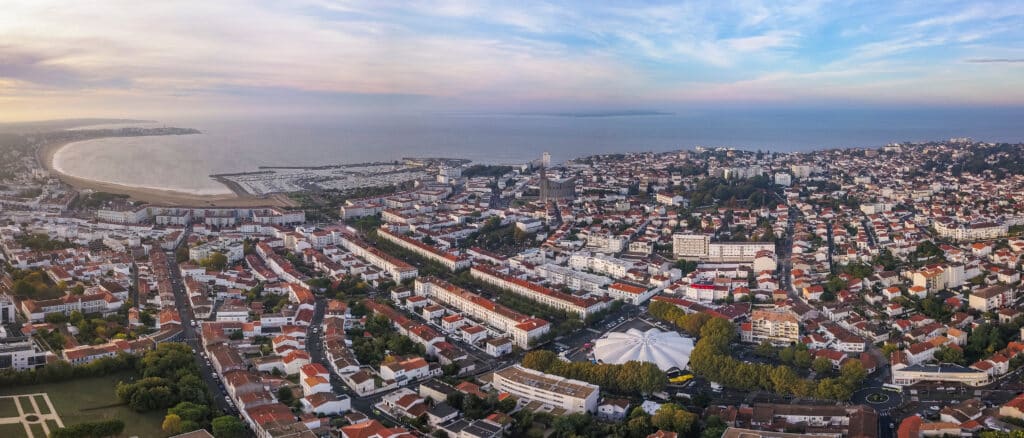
167 59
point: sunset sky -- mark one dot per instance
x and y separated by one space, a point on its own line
164 58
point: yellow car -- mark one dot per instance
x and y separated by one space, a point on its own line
683 378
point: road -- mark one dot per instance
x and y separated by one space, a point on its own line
315 347
191 337
785 252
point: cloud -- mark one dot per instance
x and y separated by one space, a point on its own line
995 60
488 53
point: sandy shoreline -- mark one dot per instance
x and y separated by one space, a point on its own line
46 153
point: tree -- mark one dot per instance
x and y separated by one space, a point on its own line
673 418
821 365
56 318
801 357
889 348
852 373
765 349
172 424
229 427
216 261
98 429
947 354
181 254
284 395
189 411
783 378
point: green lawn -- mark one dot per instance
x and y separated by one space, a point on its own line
7 408
26 404
41 403
37 430
12 430
85 400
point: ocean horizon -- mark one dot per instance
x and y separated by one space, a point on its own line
184 163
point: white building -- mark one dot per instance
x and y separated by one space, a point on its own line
584 307
521 328
572 395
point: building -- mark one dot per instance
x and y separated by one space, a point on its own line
448 260
231 249
691 245
102 302
632 294
573 396
584 307
397 269
990 298
1013 408
561 189
8 312
959 232
667 350
779 327
699 246
19 353
571 278
521 328
908 375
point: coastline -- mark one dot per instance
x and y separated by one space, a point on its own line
45 156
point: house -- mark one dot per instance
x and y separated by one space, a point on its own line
373 429
403 370
1013 408
441 413
294 360
315 384
326 403
613 409
497 347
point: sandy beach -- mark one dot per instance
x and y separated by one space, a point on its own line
46 154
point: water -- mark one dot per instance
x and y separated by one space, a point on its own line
183 163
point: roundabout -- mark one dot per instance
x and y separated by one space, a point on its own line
880 400
877 397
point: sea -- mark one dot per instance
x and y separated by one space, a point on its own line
184 163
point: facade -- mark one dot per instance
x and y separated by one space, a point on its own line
780 328
20 354
909 375
572 395
690 245
521 328
102 302
990 298
967 232
397 269
699 246
232 250
629 293
8 312
573 279
450 261
584 307
563 189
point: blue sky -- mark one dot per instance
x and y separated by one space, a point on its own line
153 59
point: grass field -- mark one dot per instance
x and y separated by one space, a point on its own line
12 431
86 400
8 408
29 421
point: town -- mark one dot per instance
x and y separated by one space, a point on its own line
711 292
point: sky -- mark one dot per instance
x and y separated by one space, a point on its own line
151 59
